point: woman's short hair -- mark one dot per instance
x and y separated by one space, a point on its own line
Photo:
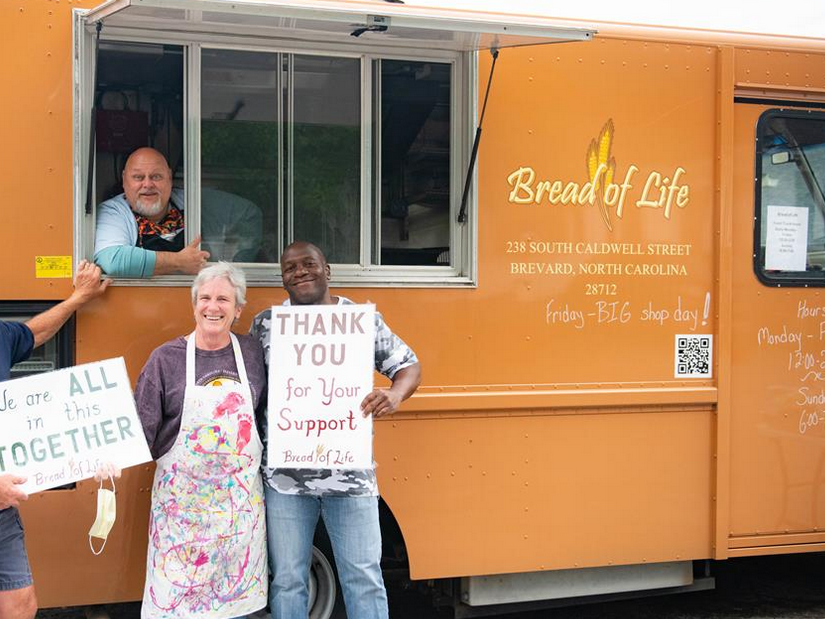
232 273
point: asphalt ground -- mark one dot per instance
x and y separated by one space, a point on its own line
778 587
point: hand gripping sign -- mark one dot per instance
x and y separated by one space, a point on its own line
58 426
321 361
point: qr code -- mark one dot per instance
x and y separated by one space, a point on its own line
694 356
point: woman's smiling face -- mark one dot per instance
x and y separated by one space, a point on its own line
216 308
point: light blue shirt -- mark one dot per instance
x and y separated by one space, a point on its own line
232 228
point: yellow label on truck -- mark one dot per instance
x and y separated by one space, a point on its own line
52 266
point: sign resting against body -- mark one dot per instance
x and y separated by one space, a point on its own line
58 426
321 368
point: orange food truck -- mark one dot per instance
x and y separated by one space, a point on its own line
618 304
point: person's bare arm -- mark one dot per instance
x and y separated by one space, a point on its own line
188 260
385 401
87 286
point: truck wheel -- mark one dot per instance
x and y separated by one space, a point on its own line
323 586
326 601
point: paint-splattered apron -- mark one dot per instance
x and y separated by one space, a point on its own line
207 537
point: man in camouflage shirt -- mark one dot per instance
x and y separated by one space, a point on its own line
346 499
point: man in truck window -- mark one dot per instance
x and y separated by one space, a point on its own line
140 233
347 500
17 598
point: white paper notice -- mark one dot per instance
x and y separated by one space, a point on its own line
320 369
786 244
58 426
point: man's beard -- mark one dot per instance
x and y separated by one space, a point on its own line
151 210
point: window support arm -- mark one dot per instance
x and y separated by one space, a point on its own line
462 213
92 122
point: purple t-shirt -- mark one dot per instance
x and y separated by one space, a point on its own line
161 385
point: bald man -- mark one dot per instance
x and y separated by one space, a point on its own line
140 233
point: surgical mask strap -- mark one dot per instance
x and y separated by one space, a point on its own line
91 545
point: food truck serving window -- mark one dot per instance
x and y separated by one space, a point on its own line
790 203
283 121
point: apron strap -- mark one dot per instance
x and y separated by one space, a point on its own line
190 360
236 346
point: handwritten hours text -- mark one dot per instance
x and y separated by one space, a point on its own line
801 345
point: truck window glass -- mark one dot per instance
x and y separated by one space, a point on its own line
325 147
240 215
790 204
139 100
414 201
257 108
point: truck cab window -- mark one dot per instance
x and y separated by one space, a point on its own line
790 203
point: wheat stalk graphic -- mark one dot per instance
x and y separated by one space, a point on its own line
601 167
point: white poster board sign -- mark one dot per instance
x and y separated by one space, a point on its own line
320 369
786 242
58 426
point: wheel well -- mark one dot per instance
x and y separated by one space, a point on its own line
393 548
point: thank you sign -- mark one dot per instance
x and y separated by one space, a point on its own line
58 426
320 369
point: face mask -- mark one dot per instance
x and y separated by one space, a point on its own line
105 518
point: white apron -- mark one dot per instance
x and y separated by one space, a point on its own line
207 535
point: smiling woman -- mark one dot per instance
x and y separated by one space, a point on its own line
199 399
218 297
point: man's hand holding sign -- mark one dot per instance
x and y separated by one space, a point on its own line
386 401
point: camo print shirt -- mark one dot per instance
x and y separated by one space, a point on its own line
391 355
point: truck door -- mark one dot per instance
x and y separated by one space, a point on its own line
777 423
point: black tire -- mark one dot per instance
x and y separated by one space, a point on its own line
325 598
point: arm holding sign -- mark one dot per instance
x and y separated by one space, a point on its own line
386 401
10 493
395 360
87 286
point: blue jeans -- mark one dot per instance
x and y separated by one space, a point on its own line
352 524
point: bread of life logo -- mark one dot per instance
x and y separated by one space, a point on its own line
601 191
